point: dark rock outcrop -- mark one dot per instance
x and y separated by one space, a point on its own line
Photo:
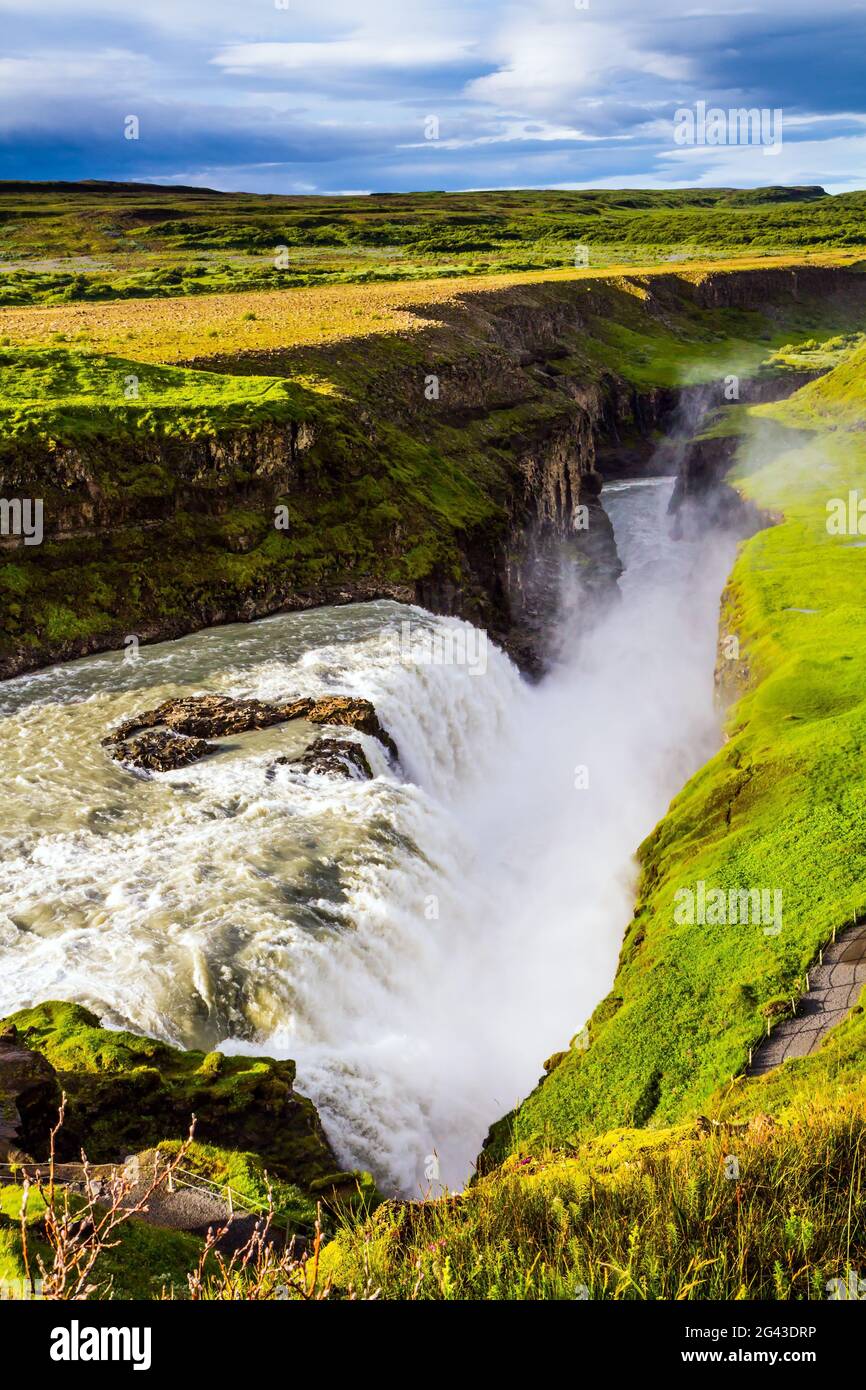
353 712
29 1098
211 716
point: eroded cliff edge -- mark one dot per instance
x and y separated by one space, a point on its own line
458 466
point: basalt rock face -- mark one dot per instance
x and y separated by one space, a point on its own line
176 732
29 1098
702 500
243 466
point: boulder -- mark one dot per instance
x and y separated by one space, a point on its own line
356 713
211 716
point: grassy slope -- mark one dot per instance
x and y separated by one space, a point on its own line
145 1263
66 396
636 1215
778 806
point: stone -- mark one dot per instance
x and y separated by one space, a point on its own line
330 757
211 716
357 713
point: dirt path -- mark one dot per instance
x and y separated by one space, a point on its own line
182 1207
834 988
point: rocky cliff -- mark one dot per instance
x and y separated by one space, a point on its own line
458 466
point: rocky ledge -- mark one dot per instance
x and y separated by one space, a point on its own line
126 1092
176 732
129 1098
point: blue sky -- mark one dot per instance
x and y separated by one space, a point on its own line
333 95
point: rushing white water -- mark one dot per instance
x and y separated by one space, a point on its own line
420 942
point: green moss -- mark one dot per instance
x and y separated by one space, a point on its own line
63 395
128 1093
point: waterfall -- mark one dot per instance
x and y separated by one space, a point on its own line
419 942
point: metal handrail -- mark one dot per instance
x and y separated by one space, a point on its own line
247 1205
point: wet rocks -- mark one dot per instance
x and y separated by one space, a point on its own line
330 757
29 1098
161 750
175 733
211 716
354 712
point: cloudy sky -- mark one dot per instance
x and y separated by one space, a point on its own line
303 96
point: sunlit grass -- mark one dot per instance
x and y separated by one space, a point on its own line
218 325
774 1212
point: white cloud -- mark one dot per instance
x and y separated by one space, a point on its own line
355 55
35 89
542 67
542 132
